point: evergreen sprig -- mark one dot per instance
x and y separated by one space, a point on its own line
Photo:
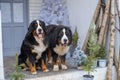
75 36
17 74
93 48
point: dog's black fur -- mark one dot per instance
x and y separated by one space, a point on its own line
29 43
55 36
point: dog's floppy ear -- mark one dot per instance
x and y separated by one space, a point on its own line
42 23
43 26
70 34
56 33
31 26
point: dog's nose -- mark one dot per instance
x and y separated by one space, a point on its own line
65 40
39 30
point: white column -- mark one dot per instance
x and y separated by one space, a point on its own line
1 53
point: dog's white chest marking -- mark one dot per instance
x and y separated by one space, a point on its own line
61 50
39 48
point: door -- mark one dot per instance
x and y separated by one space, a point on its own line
14 25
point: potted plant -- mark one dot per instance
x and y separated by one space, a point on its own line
93 49
102 57
88 66
91 61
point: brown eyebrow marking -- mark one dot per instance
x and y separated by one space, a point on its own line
36 24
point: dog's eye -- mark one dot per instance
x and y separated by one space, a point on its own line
40 24
36 25
67 33
60 34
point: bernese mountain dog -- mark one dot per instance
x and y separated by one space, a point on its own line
60 38
33 49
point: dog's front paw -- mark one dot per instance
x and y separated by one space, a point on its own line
55 68
64 66
34 72
46 70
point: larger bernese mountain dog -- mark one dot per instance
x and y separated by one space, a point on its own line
33 48
60 38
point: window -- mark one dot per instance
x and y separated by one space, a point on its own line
6 12
18 12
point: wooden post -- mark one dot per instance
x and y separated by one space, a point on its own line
118 6
100 17
93 20
105 17
97 10
118 10
118 74
99 21
117 48
116 55
116 62
111 44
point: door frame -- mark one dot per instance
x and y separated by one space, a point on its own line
1 51
25 15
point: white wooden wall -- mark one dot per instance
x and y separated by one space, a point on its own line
34 9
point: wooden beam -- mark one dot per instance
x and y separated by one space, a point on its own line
103 26
97 10
99 21
116 55
111 44
118 69
117 50
118 12
118 6
116 62
105 35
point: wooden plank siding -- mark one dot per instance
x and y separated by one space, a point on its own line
34 9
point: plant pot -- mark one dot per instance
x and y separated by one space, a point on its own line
102 63
88 77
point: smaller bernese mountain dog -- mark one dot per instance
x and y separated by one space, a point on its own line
60 38
33 49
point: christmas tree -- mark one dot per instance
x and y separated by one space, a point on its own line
54 12
78 55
